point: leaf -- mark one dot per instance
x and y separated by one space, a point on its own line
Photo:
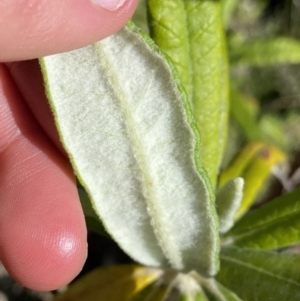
280 50
157 291
227 294
241 109
140 16
268 128
256 175
240 163
260 275
191 33
274 225
228 201
255 164
117 283
168 29
200 296
159 295
228 7
190 289
127 127
273 129
172 286
214 291
220 293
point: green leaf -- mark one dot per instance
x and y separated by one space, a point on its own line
228 201
157 291
85 202
257 174
280 50
260 275
200 296
241 109
221 293
227 294
117 283
191 33
140 16
214 291
274 225
159 295
126 124
273 130
228 7
190 288
168 29
240 163
255 164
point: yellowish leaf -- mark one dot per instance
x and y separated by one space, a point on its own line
117 283
255 164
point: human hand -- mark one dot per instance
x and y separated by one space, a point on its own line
42 228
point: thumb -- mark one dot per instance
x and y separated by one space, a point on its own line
35 28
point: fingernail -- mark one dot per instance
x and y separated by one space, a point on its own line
111 5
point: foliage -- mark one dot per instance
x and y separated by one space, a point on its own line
147 134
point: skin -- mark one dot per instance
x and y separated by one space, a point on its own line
42 229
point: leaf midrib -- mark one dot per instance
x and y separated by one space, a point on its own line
164 239
237 238
260 270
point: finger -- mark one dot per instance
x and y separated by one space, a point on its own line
35 28
42 229
28 78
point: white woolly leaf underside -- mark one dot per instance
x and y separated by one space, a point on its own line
123 124
228 201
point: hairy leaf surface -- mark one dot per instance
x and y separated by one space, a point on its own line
229 198
214 291
127 127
